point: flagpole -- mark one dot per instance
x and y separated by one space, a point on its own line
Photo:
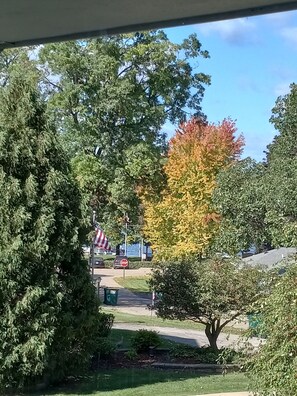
93 248
126 232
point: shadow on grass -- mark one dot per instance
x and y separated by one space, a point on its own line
120 379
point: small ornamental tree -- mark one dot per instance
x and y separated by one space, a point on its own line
213 292
48 309
273 370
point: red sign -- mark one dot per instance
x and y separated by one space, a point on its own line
124 263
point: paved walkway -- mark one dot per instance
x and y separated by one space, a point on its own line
128 302
229 394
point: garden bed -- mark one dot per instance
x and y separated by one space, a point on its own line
160 358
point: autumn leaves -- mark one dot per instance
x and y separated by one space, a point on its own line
181 220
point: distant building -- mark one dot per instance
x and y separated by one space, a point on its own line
271 257
137 249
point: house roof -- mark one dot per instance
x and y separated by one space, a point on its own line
38 21
270 258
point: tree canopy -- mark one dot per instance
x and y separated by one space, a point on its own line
182 220
239 200
281 175
257 201
115 93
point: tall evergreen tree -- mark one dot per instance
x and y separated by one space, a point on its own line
48 310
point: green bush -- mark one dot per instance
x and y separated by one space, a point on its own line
272 368
204 355
140 264
144 339
229 355
201 355
105 348
131 354
105 324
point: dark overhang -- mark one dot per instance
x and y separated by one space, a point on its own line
31 22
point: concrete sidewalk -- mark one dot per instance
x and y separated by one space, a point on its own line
128 302
229 394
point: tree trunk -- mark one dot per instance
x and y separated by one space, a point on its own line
212 334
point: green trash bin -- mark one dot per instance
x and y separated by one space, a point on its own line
110 296
255 323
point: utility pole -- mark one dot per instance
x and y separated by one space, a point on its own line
126 227
141 249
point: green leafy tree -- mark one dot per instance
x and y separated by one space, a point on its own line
273 368
258 202
48 309
281 175
239 200
115 93
213 292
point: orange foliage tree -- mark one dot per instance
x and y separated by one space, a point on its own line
181 221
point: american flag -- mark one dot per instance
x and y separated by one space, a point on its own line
101 240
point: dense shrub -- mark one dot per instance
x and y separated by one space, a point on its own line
131 354
144 339
204 355
105 324
272 369
105 348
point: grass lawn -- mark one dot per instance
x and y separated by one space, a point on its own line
122 317
144 382
134 284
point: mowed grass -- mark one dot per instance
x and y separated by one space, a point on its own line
134 284
122 317
144 382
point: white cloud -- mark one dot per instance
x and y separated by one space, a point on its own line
282 72
234 31
248 83
280 19
282 88
290 35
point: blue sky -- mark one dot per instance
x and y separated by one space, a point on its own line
252 62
